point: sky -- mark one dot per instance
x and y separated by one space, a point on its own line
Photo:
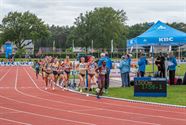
64 12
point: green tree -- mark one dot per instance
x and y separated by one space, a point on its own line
18 27
137 29
178 26
100 25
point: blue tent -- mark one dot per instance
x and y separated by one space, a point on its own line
159 34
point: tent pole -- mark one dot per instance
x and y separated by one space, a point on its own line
153 59
136 51
179 56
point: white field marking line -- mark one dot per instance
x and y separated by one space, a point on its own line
124 112
51 117
159 110
89 113
43 107
9 120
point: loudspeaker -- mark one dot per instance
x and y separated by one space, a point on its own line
184 79
179 81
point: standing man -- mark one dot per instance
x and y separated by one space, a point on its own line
142 65
124 67
171 67
105 57
160 62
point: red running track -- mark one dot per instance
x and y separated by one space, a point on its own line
23 100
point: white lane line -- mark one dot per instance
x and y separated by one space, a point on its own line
18 87
4 75
43 106
9 120
164 117
125 106
3 113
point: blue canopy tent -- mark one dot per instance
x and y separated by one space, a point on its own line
159 34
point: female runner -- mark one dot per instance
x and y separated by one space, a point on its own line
68 66
92 66
82 67
102 71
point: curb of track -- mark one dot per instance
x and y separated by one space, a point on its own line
130 100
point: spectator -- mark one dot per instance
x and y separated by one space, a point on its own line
124 67
171 67
160 62
142 65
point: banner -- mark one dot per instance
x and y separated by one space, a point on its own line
8 49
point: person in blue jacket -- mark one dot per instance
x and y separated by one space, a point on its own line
142 65
171 67
105 57
124 67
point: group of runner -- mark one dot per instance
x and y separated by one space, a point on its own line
54 70
57 72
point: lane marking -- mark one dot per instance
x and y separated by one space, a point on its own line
4 74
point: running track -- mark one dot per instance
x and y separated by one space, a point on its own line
23 101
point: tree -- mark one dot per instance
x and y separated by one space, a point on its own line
18 27
137 29
178 26
58 34
100 25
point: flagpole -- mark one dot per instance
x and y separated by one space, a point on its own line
112 47
92 46
153 59
53 47
73 46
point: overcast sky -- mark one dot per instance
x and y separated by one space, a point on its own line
63 12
